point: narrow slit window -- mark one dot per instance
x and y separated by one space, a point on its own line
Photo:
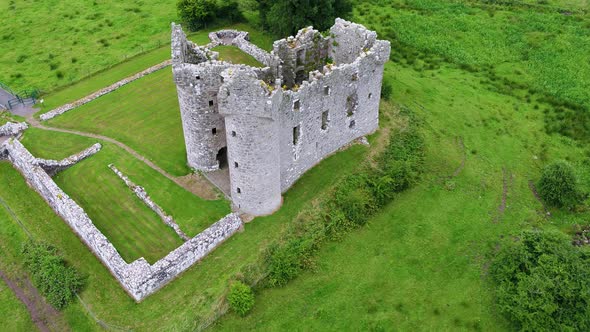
210 103
325 120
236 164
352 124
370 95
355 76
238 190
198 77
296 134
326 90
351 105
233 133
296 105
214 131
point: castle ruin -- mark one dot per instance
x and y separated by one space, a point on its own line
269 125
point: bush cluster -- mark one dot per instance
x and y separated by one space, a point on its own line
559 186
196 14
542 282
353 201
49 272
240 298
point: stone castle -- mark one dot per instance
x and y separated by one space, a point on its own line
269 125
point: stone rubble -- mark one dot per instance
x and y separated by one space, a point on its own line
139 278
145 198
12 128
68 107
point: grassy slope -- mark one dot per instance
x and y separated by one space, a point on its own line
181 304
419 265
68 35
133 228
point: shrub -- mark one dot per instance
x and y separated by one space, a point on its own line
240 298
57 281
386 88
542 282
558 185
355 199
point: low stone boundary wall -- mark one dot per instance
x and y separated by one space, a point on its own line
139 279
240 39
53 167
145 198
67 107
12 128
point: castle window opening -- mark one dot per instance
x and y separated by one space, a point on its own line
238 190
222 157
296 105
351 105
233 133
326 90
296 134
370 95
235 164
214 131
355 76
210 103
300 57
325 120
198 77
352 124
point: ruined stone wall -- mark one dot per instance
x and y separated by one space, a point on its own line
12 128
52 167
139 279
350 40
306 52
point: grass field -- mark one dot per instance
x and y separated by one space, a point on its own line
235 55
132 227
183 303
420 264
10 306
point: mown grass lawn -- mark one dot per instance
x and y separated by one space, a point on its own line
134 229
235 55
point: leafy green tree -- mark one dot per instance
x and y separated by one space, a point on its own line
285 17
240 298
196 13
558 185
542 282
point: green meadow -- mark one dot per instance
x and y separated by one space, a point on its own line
499 89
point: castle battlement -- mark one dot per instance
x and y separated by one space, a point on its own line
269 125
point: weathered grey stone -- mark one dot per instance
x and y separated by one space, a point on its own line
139 278
12 128
316 95
53 167
145 198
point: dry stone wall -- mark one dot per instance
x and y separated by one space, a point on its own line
145 198
12 128
139 278
53 167
68 107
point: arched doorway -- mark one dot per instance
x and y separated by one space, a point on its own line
222 157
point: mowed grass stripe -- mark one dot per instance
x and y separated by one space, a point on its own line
192 213
143 114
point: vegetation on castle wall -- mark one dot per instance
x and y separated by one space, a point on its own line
542 282
56 280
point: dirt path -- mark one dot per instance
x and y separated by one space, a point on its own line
200 188
45 317
507 182
538 198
